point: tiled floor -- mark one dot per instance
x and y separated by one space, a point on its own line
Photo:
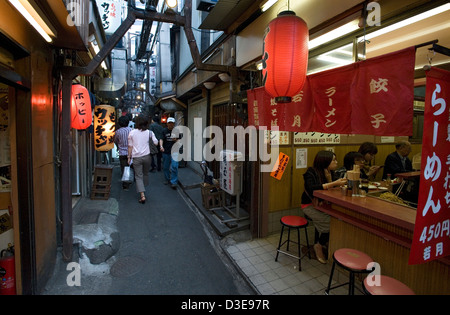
256 259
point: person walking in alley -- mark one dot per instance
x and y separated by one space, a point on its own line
121 141
139 150
170 159
158 131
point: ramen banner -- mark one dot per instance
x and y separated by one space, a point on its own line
431 239
373 97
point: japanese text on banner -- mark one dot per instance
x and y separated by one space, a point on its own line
431 239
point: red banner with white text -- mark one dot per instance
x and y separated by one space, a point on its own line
373 97
431 239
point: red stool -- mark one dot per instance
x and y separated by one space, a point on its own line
354 262
387 286
293 222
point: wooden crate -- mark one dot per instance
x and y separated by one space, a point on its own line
103 174
212 196
101 187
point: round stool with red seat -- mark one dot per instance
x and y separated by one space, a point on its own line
293 222
385 285
352 260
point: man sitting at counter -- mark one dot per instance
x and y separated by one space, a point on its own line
398 161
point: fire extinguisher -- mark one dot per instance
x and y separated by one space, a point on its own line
7 271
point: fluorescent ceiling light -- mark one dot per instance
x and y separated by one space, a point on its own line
96 50
338 32
331 59
30 14
266 6
409 21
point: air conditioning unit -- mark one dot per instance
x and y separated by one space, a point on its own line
206 5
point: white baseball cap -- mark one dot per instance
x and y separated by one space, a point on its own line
170 120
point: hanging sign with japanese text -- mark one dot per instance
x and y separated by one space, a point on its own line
369 97
280 166
104 127
111 15
431 239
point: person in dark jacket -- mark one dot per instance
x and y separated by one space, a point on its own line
158 130
318 177
398 161
350 159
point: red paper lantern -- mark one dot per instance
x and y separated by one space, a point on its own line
285 56
81 111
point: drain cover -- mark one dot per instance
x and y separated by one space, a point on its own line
126 266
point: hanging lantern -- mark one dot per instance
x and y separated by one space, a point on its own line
81 111
285 56
104 127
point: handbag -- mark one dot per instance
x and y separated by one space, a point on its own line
153 147
128 174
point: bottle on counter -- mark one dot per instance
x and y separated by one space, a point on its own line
388 179
389 182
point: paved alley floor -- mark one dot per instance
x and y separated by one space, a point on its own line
165 248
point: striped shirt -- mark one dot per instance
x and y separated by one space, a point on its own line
121 140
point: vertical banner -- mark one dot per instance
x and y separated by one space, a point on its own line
432 229
332 99
297 115
384 95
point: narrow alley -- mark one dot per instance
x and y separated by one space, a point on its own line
166 247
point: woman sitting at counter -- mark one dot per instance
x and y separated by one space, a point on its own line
320 176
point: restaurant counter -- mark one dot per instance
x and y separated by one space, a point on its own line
384 231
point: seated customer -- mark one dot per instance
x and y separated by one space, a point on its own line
398 161
320 176
350 159
369 150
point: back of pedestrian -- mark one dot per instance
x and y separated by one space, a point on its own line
121 141
139 152
158 130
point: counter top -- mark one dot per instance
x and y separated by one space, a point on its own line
392 213
408 174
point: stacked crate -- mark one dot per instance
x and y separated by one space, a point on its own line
101 187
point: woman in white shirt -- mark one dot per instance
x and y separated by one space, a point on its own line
139 151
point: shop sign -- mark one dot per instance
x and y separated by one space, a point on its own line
431 239
104 127
372 97
110 14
